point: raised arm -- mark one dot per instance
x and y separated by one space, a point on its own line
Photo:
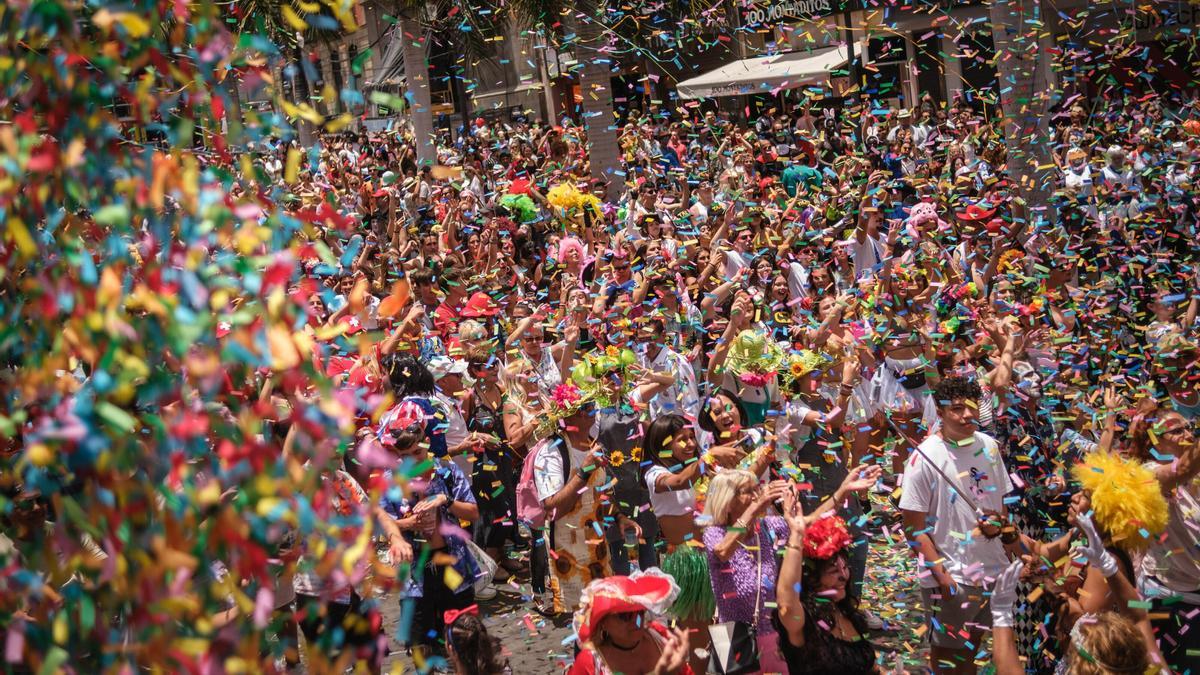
514 338
1004 643
791 572
1181 470
739 316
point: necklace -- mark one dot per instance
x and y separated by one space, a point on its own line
622 647
839 630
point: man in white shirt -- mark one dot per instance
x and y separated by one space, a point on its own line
461 445
683 396
704 201
866 248
953 503
919 133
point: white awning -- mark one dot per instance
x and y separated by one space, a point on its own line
764 74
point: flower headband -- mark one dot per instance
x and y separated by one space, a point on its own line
826 538
804 362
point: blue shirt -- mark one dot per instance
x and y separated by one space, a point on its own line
446 479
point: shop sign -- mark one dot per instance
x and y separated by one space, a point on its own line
782 11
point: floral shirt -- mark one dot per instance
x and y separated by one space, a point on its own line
445 479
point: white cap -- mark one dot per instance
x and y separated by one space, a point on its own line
441 366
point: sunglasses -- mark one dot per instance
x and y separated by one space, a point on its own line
628 617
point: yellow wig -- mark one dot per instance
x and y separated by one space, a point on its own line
565 196
1126 499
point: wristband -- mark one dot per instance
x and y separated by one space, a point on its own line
1009 534
1002 618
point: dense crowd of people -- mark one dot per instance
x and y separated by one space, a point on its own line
681 405
685 401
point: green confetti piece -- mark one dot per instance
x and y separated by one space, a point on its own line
112 215
116 417
55 658
77 516
357 64
87 613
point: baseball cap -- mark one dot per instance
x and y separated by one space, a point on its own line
441 366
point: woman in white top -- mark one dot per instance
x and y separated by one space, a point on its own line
674 469
1170 571
551 363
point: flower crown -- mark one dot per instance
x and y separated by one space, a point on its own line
825 538
802 363
754 358
567 399
589 373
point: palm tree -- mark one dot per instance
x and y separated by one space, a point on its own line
416 74
266 17
417 21
599 118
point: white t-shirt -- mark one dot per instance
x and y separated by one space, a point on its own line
866 255
797 280
979 471
669 502
682 397
734 263
1169 561
793 422
455 430
548 474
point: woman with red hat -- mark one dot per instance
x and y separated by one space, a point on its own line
617 633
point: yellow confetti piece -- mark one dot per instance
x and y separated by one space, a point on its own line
60 628
338 123
133 24
291 173
356 552
452 578
283 350
20 235
293 19
39 455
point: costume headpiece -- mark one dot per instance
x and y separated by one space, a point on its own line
825 538
1127 501
649 590
753 358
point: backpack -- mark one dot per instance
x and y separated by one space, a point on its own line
530 509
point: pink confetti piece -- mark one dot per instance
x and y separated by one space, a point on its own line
14 642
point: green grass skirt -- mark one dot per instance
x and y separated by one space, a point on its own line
689 566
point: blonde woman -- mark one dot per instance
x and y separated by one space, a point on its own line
523 406
741 542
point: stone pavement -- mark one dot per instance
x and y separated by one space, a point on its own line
532 642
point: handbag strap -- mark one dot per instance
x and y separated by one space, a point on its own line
758 578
